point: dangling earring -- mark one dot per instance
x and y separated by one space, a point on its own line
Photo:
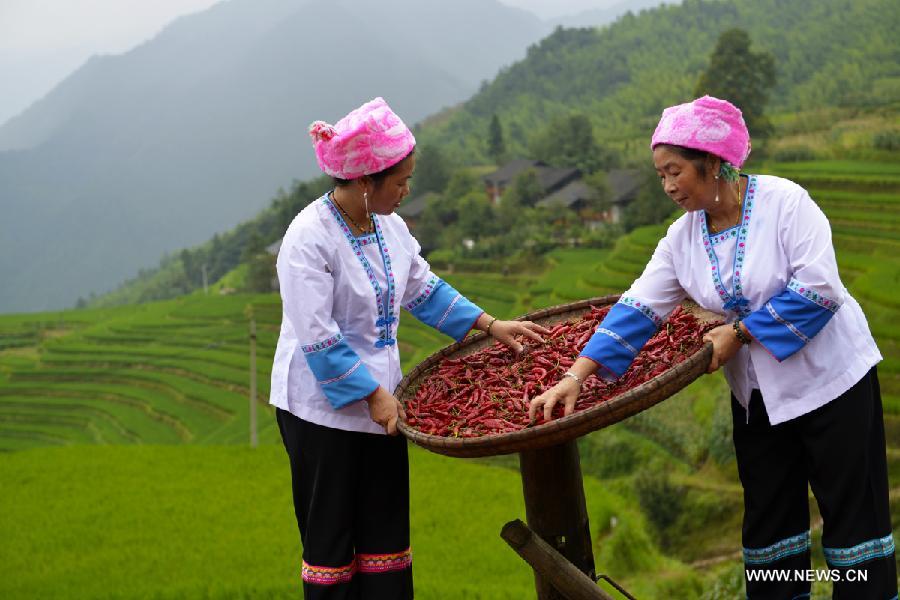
717 189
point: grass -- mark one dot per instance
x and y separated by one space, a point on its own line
217 522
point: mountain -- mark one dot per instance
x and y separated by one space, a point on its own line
828 54
141 153
604 15
621 77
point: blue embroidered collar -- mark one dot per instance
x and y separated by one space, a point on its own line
734 300
385 300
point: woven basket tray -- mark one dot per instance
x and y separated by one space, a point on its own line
565 428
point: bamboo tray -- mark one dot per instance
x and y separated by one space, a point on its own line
563 429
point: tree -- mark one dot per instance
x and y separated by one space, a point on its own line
260 267
650 206
742 77
189 265
476 215
496 144
570 142
525 190
661 501
432 170
601 194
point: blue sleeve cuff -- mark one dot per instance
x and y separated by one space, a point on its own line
341 373
619 338
789 320
440 306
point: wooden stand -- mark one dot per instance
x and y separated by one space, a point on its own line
555 508
552 566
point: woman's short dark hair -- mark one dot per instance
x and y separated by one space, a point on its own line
698 157
378 177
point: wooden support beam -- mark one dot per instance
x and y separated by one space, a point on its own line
550 565
555 507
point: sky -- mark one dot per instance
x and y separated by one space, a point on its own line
43 41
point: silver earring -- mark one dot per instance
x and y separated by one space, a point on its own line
717 189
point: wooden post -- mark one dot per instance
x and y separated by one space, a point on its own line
553 567
555 507
253 440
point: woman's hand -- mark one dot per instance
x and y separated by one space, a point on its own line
566 391
506 332
385 410
725 345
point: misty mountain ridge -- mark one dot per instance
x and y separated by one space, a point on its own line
189 133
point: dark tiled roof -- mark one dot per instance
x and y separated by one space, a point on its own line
505 174
549 178
623 184
413 208
568 195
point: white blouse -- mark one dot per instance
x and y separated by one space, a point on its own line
341 298
776 271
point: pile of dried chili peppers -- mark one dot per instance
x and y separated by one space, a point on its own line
488 392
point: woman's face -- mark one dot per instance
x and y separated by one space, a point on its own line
681 181
386 198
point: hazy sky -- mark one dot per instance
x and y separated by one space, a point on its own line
43 41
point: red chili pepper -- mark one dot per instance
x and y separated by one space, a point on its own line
488 392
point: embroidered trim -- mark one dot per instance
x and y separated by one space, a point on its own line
332 341
787 324
382 563
328 575
781 549
389 271
643 308
812 295
367 239
618 338
735 300
720 237
845 557
448 311
346 374
424 295
385 317
603 372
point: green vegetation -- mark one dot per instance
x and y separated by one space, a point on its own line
744 77
217 522
622 82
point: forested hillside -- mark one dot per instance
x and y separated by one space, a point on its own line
828 53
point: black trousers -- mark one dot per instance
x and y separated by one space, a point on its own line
838 450
351 498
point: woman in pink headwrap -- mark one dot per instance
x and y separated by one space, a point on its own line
797 354
346 265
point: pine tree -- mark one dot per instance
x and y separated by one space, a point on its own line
742 77
496 144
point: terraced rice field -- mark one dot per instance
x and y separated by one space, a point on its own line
171 372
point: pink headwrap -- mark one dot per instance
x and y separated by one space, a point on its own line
707 124
368 140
